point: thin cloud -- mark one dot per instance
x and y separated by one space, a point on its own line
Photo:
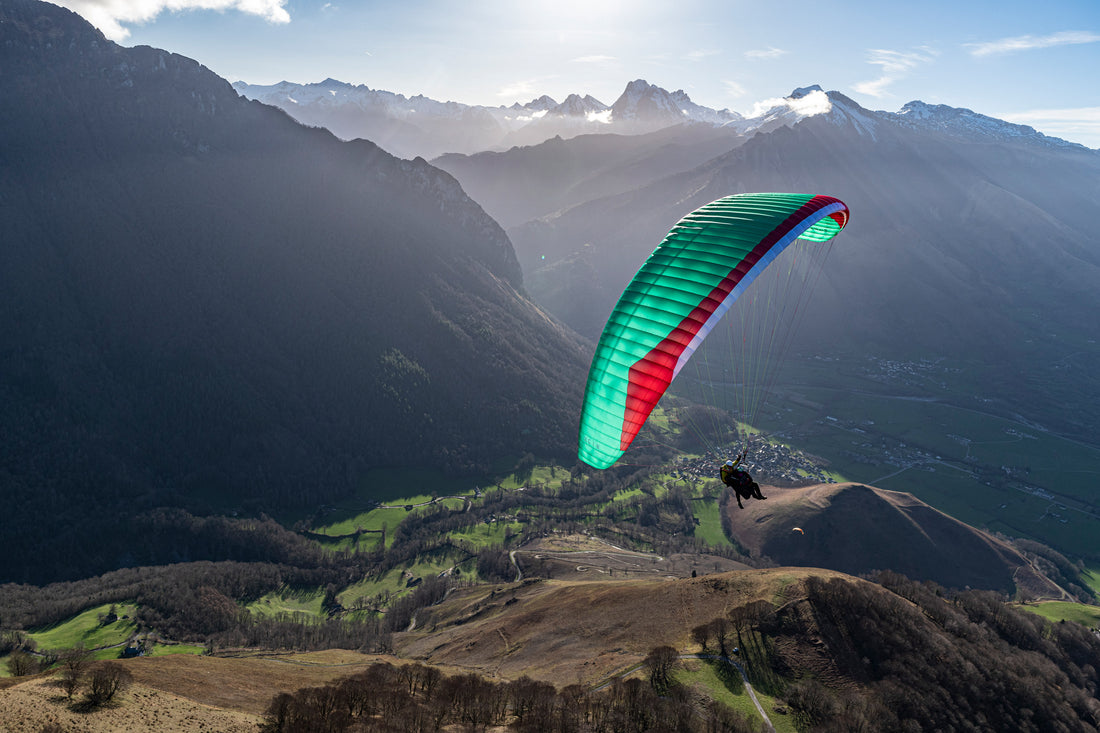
894 65
1030 43
815 103
594 59
765 54
111 16
733 89
700 55
1077 124
529 88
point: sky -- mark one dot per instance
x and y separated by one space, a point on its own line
1033 63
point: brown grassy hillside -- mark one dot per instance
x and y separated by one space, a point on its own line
859 529
845 644
567 631
182 693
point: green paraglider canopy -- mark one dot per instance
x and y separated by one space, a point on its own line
693 277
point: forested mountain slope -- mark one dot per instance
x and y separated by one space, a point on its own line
207 304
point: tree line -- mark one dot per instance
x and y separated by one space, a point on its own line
414 697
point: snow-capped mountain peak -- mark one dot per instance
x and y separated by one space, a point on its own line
804 91
541 104
962 122
577 106
645 103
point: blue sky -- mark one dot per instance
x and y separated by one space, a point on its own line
1028 62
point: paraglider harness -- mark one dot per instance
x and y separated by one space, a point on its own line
740 481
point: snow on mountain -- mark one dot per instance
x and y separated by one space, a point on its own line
641 102
541 104
334 94
958 123
577 106
419 125
962 122
699 113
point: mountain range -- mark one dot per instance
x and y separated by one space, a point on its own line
419 126
970 239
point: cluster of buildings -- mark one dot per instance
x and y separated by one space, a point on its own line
769 463
915 373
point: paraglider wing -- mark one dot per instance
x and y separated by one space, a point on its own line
681 291
797 529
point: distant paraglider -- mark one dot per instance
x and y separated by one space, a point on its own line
682 290
798 529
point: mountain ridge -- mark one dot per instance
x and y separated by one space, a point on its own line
418 125
206 302
1027 236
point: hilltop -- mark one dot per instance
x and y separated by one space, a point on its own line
860 529
583 631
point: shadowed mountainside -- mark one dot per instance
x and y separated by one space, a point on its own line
970 239
526 183
206 304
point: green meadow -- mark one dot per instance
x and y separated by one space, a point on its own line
91 629
704 675
1057 611
289 603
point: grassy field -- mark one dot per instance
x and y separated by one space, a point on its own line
709 529
483 535
550 477
704 676
394 583
1091 576
306 603
168 650
345 520
104 640
289 602
89 628
1064 611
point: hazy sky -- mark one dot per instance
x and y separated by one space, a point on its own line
1037 63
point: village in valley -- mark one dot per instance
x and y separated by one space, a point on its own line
769 463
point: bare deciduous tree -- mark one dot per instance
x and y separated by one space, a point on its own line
106 681
74 665
20 663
